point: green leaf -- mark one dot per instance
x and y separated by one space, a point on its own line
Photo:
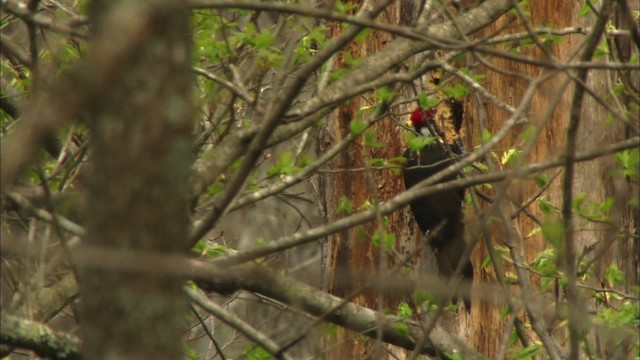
357 126
362 36
425 102
421 297
304 161
274 170
418 143
366 205
310 44
422 100
331 331
404 311
285 165
528 134
578 200
351 61
249 29
199 246
203 247
545 262
523 7
613 276
345 206
485 262
618 89
457 91
510 277
479 78
264 39
504 312
256 353
376 162
385 94
602 50
398 160
536 230
191 353
541 180
585 9
396 163
486 136
510 157
216 250
545 206
384 239
343 8
626 317
337 74
629 160
553 232
484 167
402 329
597 210
546 283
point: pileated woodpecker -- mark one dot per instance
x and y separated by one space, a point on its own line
442 207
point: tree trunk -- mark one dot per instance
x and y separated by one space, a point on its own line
138 182
592 178
351 259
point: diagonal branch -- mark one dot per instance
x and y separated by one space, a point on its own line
230 319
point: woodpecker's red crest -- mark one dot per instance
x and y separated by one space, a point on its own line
419 119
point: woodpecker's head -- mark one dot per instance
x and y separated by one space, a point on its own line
421 117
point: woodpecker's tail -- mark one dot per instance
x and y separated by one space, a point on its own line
449 247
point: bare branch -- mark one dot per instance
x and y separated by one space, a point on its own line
63 101
24 13
238 89
305 10
38 338
235 322
62 222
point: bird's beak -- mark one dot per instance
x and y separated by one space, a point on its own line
408 123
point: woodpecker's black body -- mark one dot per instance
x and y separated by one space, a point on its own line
442 207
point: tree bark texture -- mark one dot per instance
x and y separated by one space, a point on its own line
138 182
592 178
351 254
